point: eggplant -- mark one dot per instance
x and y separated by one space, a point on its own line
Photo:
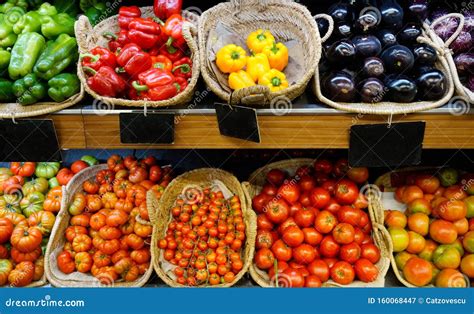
431 85
397 59
418 8
340 87
372 90
341 53
409 34
465 63
323 26
424 54
400 88
386 37
373 67
392 14
342 30
342 12
367 45
462 43
369 18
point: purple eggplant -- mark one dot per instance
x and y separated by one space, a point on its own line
369 18
367 45
398 59
465 63
341 53
462 43
373 67
392 14
409 34
431 85
342 12
418 8
424 54
372 90
340 86
386 37
400 88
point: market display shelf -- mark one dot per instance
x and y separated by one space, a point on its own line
301 124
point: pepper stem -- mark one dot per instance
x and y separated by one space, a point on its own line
159 21
235 55
169 41
275 49
185 68
94 58
138 87
89 70
120 70
110 35
276 81
171 49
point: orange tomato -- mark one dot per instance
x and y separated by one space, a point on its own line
396 219
450 278
462 226
418 271
467 265
419 205
411 193
416 243
443 231
452 210
419 223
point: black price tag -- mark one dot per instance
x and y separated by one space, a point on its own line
28 140
154 128
377 145
239 122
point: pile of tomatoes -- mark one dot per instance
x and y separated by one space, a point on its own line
109 228
312 227
433 239
205 237
30 198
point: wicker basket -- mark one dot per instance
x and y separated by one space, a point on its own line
57 240
88 38
286 20
393 108
461 90
162 216
379 233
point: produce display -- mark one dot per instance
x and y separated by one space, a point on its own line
31 198
462 45
205 238
264 66
38 52
374 56
433 240
314 226
148 59
109 229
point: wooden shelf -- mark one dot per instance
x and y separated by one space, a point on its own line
200 131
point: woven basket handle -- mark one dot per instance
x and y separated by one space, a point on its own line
250 95
83 30
238 3
330 27
455 35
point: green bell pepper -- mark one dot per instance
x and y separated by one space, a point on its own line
90 160
95 10
13 15
13 3
5 55
53 26
6 91
47 170
30 89
47 9
26 51
70 7
57 56
30 22
63 86
7 36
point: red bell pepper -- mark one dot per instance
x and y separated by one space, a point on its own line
162 62
183 83
133 60
158 93
155 77
99 57
174 30
144 32
118 40
105 81
165 8
183 68
127 14
172 53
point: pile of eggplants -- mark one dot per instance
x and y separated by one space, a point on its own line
462 45
373 54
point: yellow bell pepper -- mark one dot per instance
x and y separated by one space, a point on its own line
259 39
274 79
257 65
277 55
240 79
231 58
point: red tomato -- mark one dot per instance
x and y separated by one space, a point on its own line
365 270
24 169
289 191
342 273
263 223
304 254
264 258
319 198
350 252
333 206
346 192
64 176
330 261
281 266
260 201
320 178
294 208
325 222
328 247
312 236
293 236
329 185
304 217
276 177
358 175
292 278
349 215
281 251
277 211
343 233
304 171
312 281
306 183
305 199
341 167
358 236
269 190
155 173
289 222
264 239
427 183
319 268
323 165
78 166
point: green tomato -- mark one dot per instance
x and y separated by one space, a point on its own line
32 203
47 169
448 176
53 182
6 268
35 185
446 257
10 203
90 160
469 201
